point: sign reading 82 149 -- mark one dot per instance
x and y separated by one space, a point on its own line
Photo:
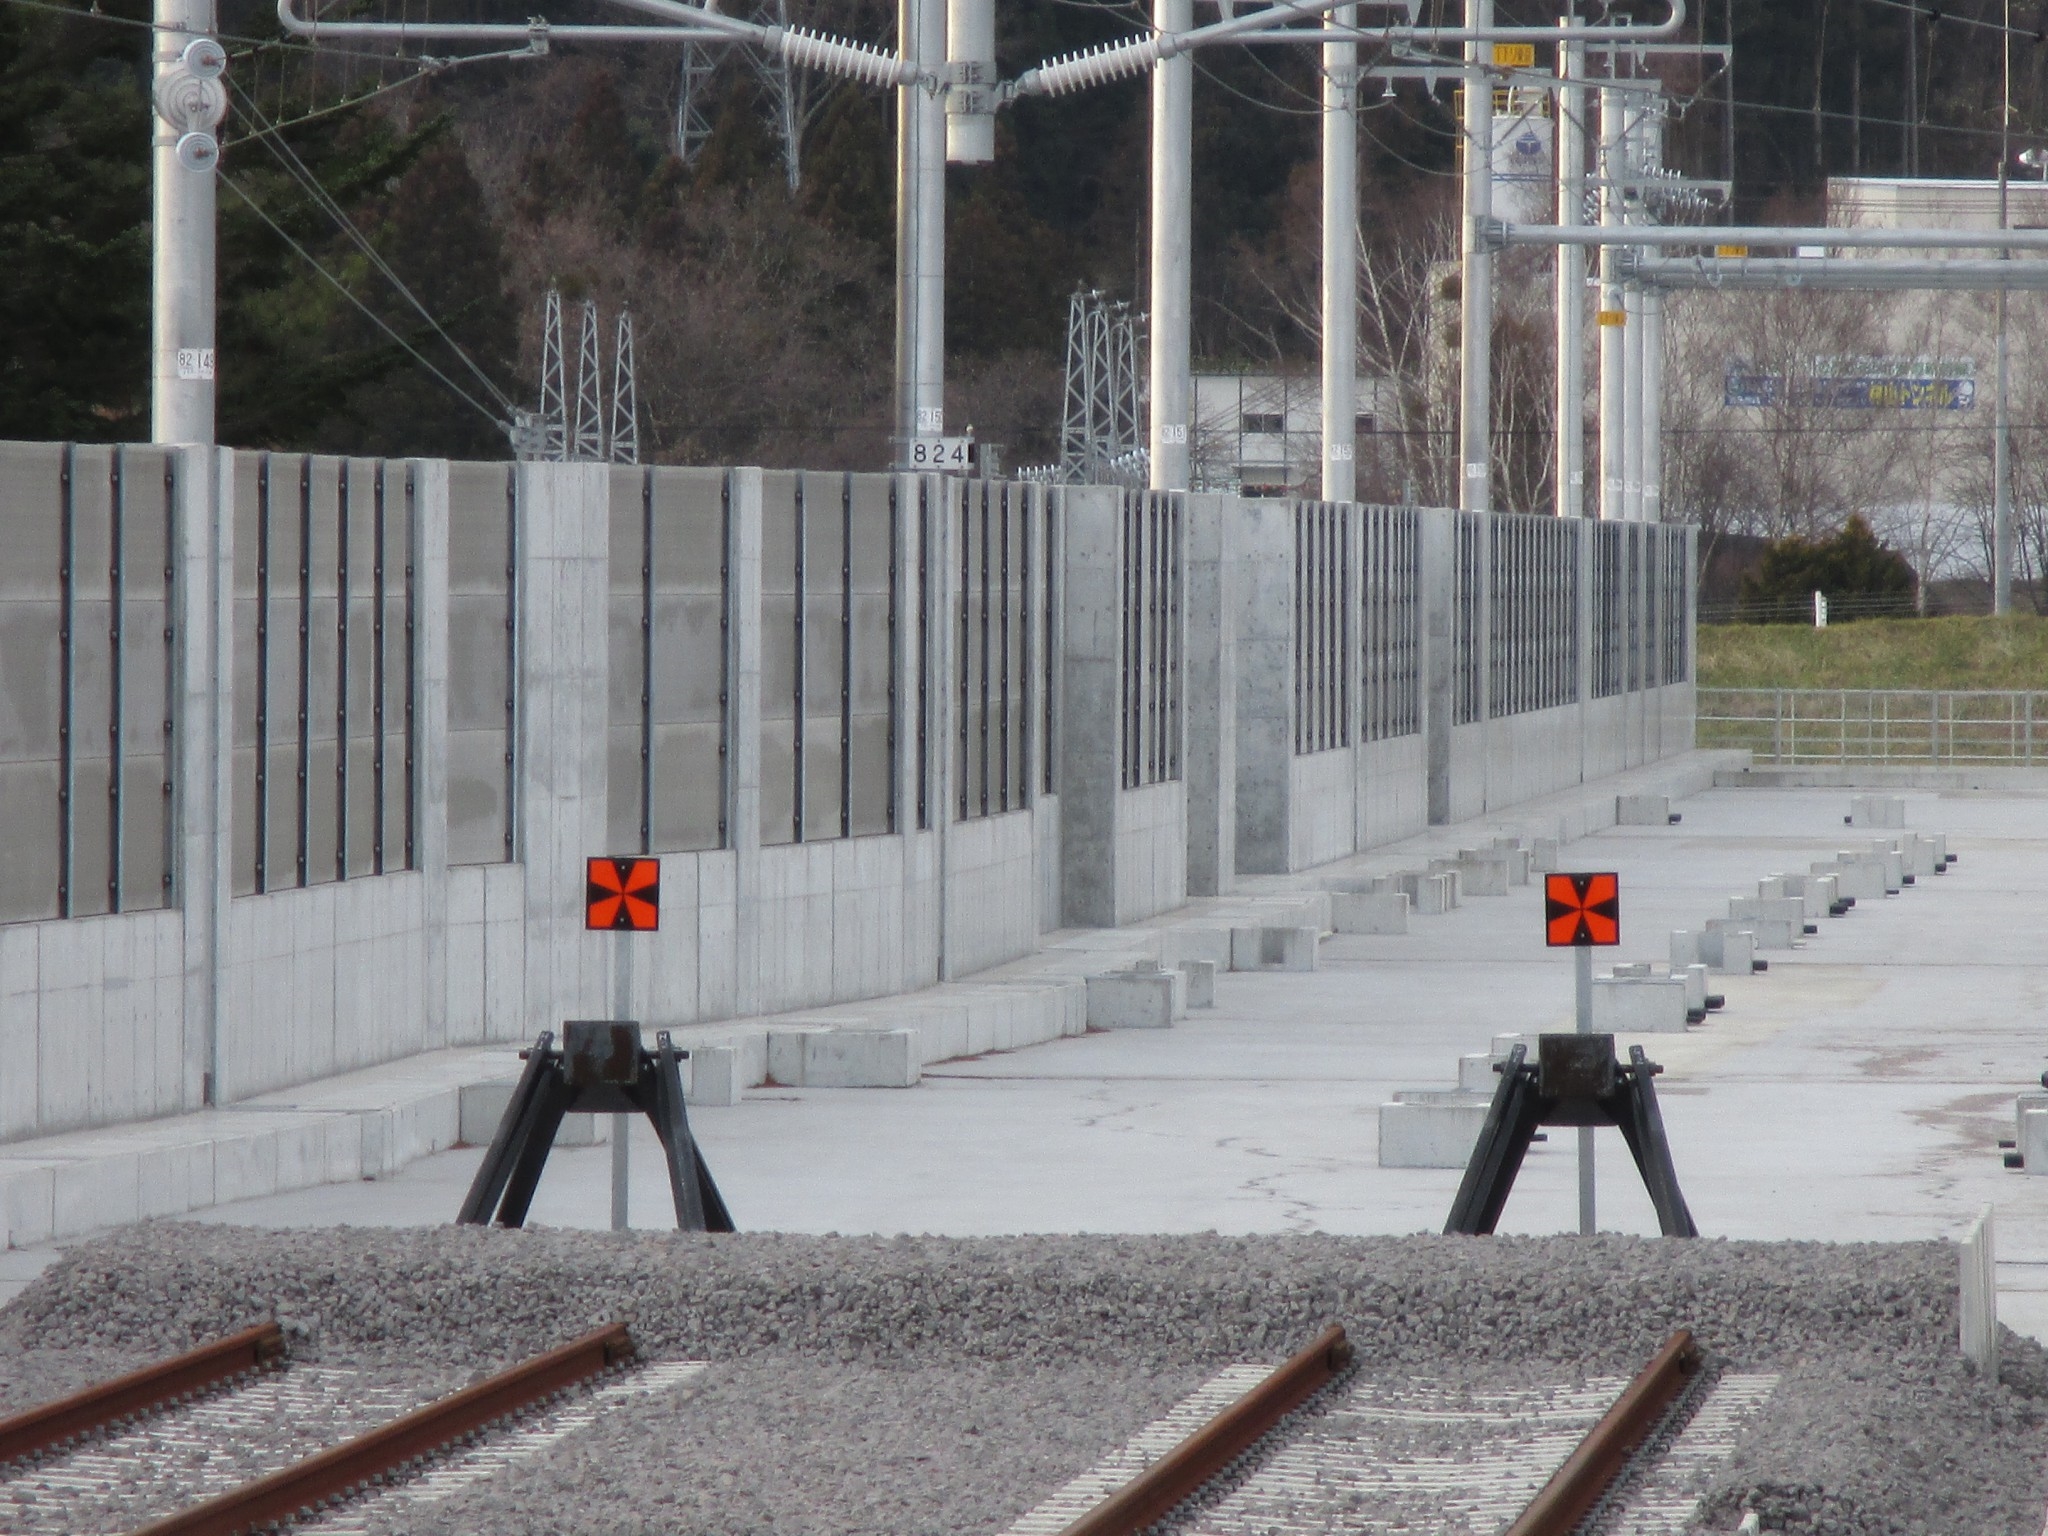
939 453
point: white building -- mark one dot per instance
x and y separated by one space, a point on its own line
1261 434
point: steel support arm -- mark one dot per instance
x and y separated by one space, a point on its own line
1666 235
1848 273
1135 55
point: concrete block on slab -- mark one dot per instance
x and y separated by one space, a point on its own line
1131 1000
1770 932
860 1058
1543 855
1727 951
1200 978
1634 1005
1789 910
1430 893
1877 811
483 1107
1431 1130
2030 1131
1482 872
1357 912
1642 810
1273 949
1476 1074
714 1076
1856 876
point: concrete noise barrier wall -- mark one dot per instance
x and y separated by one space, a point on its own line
307 753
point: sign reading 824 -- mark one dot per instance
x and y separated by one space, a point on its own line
939 453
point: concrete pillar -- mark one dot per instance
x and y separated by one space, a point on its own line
1439 574
1266 685
1570 141
920 231
1091 671
743 721
1475 414
430 715
189 104
1212 693
203 784
1340 257
1173 107
564 678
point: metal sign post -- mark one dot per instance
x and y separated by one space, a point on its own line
1583 911
623 897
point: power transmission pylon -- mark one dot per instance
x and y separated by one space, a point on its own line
693 123
589 440
625 396
554 440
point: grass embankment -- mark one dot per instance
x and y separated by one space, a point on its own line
1877 653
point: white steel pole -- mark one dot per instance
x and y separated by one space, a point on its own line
189 104
1340 257
1173 111
920 231
2001 446
1653 404
1583 974
1632 404
1475 340
1612 314
1570 141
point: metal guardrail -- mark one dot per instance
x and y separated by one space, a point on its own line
1791 726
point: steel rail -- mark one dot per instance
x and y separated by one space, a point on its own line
1576 1486
346 1468
154 1386
1199 1459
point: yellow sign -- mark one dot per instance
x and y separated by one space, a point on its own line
1613 317
1731 250
1514 55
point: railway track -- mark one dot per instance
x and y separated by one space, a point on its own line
1307 1448
61 1461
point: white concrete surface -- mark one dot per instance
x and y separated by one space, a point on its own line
1857 1090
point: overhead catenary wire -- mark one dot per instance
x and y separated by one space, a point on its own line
324 200
342 288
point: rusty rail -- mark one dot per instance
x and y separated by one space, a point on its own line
1576 1486
154 1386
1155 1492
345 1468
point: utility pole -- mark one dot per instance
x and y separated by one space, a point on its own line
1651 426
1570 140
1475 339
2001 445
1340 256
189 104
1613 315
1172 297
920 230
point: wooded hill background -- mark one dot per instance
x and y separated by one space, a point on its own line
764 308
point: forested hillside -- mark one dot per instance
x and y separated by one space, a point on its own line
761 287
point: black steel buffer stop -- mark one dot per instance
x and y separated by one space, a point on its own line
1574 1081
600 1068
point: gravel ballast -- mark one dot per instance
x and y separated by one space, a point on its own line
848 1371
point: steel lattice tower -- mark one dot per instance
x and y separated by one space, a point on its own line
625 444
588 444
554 441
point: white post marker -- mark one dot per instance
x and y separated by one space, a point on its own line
623 898
622 1125
1583 955
1581 912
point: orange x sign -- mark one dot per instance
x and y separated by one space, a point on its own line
625 894
1581 909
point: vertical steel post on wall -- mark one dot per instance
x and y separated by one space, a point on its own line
1632 404
67 678
1340 256
304 770
341 600
799 667
1475 340
1173 108
172 631
846 654
412 670
647 660
1570 139
262 812
1651 386
378 539
511 657
117 597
